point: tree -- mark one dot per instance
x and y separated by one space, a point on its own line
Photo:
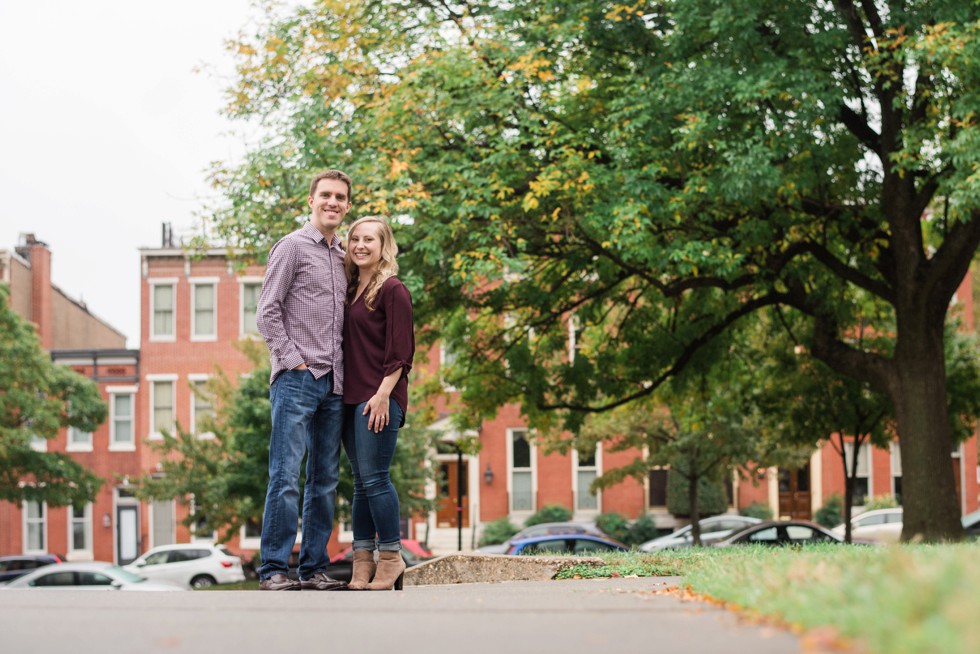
37 399
226 476
661 169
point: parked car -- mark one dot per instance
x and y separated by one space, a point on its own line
878 525
781 532
971 525
544 529
417 548
565 544
90 575
12 567
713 529
192 565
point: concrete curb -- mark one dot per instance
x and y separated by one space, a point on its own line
488 568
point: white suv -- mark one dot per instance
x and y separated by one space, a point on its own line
193 565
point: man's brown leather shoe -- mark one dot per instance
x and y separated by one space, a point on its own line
320 581
279 582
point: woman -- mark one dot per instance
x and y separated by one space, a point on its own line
379 344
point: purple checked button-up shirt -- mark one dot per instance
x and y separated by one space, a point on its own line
301 307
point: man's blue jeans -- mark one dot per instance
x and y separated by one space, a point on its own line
375 508
307 417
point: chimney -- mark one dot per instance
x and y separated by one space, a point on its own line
168 236
41 295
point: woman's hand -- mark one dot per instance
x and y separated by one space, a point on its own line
376 409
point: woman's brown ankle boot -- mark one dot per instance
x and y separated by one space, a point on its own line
364 567
391 570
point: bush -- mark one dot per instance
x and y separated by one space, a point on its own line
615 525
881 502
712 498
831 513
498 531
549 513
757 510
642 530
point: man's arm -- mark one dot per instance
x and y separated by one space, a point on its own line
270 313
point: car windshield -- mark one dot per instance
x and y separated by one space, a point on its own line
125 575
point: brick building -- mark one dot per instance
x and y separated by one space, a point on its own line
104 529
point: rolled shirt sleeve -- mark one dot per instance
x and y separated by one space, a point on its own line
400 336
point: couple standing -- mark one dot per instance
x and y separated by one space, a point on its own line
339 329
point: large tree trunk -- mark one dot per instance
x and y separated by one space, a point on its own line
917 385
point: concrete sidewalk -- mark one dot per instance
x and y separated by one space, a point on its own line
607 616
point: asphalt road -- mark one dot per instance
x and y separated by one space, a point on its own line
606 616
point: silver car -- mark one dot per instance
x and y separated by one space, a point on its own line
713 529
191 565
90 575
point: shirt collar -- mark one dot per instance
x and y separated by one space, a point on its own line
315 234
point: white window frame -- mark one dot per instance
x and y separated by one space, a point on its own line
597 468
192 380
895 450
84 446
153 283
112 391
26 522
510 471
242 283
247 542
196 282
152 381
84 553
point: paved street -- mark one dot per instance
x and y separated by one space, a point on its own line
607 616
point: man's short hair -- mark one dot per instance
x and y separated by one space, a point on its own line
333 174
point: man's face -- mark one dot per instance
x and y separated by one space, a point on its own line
329 204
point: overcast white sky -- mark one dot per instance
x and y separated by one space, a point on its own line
106 132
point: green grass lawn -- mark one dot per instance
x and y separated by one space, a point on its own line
898 599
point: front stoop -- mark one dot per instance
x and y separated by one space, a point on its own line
488 568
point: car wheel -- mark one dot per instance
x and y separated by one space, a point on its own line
202 581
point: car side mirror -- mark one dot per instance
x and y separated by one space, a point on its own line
116 585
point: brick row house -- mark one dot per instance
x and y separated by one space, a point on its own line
194 308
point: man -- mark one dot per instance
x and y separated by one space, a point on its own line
301 316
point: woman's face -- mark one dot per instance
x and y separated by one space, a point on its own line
364 245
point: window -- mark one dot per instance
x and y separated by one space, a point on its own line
78 440
163 517
522 471
35 527
586 472
658 487
162 309
896 452
80 528
802 534
161 404
204 294
862 479
250 291
202 406
39 443
447 359
121 415
767 535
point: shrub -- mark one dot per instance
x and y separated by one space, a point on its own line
498 531
549 513
642 530
757 510
881 502
615 525
831 513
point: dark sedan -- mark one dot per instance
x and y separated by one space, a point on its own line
782 532
12 567
565 544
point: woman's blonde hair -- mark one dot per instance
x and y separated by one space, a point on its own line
387 266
